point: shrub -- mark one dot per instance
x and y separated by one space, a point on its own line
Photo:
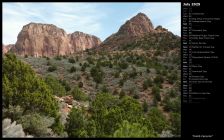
97 74
172 78
172 105
164 72
148 70
145 106
110 65
80 84
147 83
71 60
91 128
176 123
78 94
121 82
37 125
77 58
57 126
166 134
140 73
158 120
123 65
52 68
48 63
156 92
122 94
125 76
87 76
117 74
104 89
106 113
115 92
134 73
83 68
57 58
90 60
72 69
132 108
157 96
136 96
65 84
12 130
13 112
77 76
55 85
76 123
172 93
154 102
158 80
132 130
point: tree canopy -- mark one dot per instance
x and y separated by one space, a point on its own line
21 86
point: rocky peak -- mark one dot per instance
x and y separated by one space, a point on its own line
135 29
40 28
137 25
37 39
81 41
161 29
7 48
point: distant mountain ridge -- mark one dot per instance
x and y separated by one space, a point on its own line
37 39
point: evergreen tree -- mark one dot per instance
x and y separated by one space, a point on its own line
78 94
176 123
21 86
145 106
76 123
158 120
55 85
134 130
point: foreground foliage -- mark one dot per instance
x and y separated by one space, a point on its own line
27 98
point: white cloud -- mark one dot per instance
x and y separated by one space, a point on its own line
69 16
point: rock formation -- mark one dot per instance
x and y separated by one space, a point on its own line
134 29
81 41
7 48
38 39
160 29
136 26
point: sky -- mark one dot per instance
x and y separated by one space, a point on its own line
99 19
